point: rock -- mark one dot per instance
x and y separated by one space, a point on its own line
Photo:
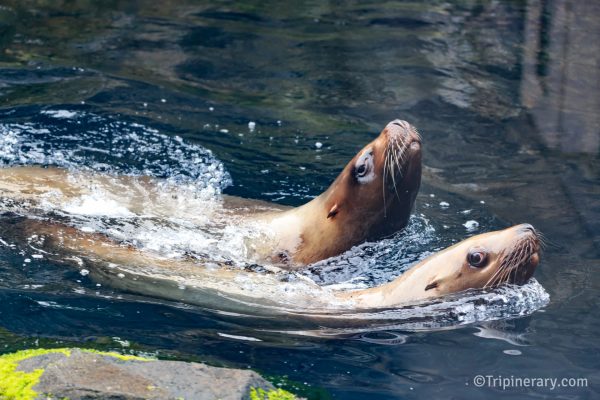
87 374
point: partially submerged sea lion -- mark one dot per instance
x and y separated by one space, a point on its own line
509 256
371 198
482 261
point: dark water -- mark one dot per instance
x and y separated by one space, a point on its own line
505 95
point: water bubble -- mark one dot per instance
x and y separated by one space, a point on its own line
512 352
471 225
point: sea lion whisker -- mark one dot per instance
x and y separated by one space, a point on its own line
492 279
495 279
516 259
398 167
417 134
390 165
507 275
385 166
399 157
400 146
510 276
394 181
501 278
542 239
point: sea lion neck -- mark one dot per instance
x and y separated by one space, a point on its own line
403 289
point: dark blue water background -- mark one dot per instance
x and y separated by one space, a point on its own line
505 95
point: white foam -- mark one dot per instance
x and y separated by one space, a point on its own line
96 206
60 113
471 225
238 337
110 146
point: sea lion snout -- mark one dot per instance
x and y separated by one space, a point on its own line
526 228
399 128
526 232
522 254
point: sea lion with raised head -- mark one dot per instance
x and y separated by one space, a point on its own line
482 261
371 198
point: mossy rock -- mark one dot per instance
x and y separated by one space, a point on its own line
90 374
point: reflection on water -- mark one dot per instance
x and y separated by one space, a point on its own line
504 94
561 74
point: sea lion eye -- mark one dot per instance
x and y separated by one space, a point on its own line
477 259
363 169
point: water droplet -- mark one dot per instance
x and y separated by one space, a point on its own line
471 225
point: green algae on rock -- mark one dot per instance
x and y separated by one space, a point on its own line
71 373
277 394
18 385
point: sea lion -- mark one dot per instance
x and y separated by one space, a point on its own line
371 198
482 261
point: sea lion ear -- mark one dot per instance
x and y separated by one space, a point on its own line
432 285
334 210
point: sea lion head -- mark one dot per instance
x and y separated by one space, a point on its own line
484 261
375 193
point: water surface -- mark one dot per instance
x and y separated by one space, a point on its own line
505 96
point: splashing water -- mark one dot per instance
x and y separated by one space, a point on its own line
181 215
109 146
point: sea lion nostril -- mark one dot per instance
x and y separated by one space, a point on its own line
401 123
527 228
